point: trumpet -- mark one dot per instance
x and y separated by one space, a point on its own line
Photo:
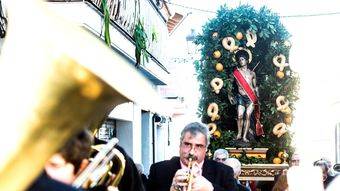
98 171
190 178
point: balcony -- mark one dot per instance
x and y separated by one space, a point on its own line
123 15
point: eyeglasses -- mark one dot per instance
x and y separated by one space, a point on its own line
190 146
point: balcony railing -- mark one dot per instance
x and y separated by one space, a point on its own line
126 12
123 12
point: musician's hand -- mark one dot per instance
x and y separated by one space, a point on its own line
180 180
201 184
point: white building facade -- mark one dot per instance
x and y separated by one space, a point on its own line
142 130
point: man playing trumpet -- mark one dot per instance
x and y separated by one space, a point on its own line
191 171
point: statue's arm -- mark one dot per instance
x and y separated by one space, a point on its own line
256 89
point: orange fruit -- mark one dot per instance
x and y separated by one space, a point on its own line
217 133
280 74
277 160
239 35
280 154
217 54
288 119
219 67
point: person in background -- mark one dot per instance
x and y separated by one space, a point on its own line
324 165
236 165
295 160
140 168
221 155
44 182
64 166
331 170
281 184
204 174
70 160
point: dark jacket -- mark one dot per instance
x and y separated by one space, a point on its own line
43 182
161 174
241 187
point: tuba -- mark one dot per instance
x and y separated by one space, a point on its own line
56 79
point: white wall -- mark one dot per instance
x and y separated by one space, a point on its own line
124 132
146 146
123 112
129 133
136 134
1 43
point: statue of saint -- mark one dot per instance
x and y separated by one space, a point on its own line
247 97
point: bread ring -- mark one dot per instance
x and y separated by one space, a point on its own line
251 39
216 84
280 61
212 128
280 129
286 110
283 105
212 111
281 102
229 43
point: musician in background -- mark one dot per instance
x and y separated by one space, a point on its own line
207 175
63 167
71 159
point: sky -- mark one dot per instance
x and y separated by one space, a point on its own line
315 42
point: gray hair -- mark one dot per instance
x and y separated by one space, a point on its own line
219 152
235 164
194 128
140 168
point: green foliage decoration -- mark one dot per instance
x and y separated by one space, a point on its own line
106 23
272 39
141 40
